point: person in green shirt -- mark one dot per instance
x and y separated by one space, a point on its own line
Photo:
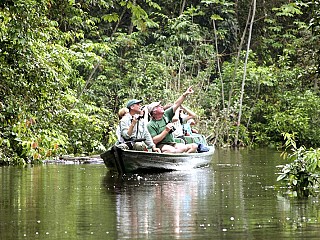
160 126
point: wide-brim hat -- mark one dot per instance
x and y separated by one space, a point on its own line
151 106
133 101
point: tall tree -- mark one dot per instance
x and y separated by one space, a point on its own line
245 71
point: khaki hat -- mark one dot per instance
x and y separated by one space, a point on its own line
151 106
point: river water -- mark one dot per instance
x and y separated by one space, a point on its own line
235 197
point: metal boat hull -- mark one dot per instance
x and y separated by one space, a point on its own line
125 161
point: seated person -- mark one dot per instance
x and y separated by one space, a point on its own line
181 117
178 131
193 133
188 130
160 126
121 113
133 127
192 123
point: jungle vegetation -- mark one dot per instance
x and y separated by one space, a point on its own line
67 66
302 172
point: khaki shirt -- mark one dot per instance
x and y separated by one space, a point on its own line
139 130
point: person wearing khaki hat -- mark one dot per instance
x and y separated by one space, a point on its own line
153 105
161 126
133 127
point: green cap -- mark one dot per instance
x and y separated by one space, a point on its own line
133 101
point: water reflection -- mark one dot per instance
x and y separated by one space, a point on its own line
162 204
236 197
54 202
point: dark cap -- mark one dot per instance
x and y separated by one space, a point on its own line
133 101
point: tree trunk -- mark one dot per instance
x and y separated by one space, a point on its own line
234 75
117 25
183 4
218 61
131 23
244 73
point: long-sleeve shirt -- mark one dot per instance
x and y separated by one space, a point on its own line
139 130
118 134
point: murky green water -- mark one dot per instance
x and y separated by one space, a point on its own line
233 198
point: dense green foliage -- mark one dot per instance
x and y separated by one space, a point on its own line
301 174
67 66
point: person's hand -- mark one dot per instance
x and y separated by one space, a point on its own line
134 120
169 127
194 131
188 91
155 149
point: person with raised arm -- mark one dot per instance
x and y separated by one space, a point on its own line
161 126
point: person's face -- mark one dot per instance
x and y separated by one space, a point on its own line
158 110
136 108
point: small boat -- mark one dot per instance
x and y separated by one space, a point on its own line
131 161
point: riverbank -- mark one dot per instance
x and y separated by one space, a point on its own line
69 159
